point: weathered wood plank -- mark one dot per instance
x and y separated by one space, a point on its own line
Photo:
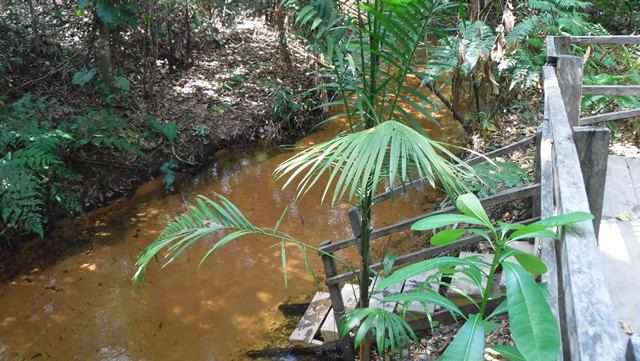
507 195
329 328
620 247
535 201
569 70
502 197
502 151
620 193
444 317
634 170
305 332
592 145
551 48
556 46
330 270
417 255
620 115
547 247
472 161
609 39
616 90
592 332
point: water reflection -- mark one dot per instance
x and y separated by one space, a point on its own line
84 307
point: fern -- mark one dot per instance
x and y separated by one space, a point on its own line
21 198
493 177
101 127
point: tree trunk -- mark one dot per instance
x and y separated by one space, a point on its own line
187 51
280 17
37 42
104 52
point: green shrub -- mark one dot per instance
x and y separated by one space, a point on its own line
35 149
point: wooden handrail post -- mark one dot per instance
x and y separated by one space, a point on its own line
535 206
592 144
563 45
569 71
330 270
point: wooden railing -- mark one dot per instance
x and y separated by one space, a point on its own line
581 298
571 161
335 279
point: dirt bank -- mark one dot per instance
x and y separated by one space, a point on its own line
234 94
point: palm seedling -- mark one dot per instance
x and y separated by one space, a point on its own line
370 48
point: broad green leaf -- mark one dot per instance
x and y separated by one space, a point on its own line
533 327
528 261
468 345
82 4
490 326
531 263
544 288
446 236
470 205
108 13
509 352
545 233
418 268
565 219
431 297
529 228
442 220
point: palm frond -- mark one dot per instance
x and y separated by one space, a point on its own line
390 151
391 331
215 217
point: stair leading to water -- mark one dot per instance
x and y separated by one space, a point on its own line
318 324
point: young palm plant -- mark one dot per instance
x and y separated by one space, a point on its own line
370 49
533 326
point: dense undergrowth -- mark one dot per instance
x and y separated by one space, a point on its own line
184 79
145 88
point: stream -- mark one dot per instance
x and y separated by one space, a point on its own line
85 307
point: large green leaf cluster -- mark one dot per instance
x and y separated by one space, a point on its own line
515 54
533 326
371 49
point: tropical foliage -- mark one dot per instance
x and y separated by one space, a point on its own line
35 170
533 326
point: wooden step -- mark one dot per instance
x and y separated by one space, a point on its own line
307 329
377 296
329 328
462 284
415 310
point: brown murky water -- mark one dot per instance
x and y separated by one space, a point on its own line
84 307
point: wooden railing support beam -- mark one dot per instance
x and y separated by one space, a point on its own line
569 70
591 331
331 270
592 144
